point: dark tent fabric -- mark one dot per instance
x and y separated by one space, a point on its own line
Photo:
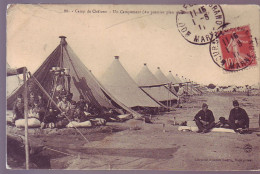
82 81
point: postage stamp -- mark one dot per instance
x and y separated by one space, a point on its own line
233 50
199 24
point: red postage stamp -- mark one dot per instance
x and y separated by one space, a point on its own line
234 50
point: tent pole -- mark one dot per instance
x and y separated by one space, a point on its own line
168 99
191 88
46 93
187 90
61 63
26 120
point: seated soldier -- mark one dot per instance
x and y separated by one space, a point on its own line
42 102
34 112
42 106
93 110
18 108
238 117
82 104
49 118
79 115
71 111
70 96
31 100
64 104
62 119
204 119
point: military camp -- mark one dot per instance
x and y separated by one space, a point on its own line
122 87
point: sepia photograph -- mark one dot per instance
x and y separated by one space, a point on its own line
133 87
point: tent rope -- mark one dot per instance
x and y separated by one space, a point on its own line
46 93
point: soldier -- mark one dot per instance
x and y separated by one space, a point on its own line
204 119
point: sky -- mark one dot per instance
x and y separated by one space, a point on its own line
147 35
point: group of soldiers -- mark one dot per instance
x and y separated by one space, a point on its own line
58 116
238 119
68 110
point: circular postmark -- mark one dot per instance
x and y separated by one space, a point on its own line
248 148
199 24
233 49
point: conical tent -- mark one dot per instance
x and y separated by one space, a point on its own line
82 81
192 88
172 79
184 80
161 77
196 88
119 83
164 80
12 82
178 79
187 86
148 82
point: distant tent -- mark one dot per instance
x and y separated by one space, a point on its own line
82 82
12 82
172 79
164 80
255 86
184 80
150 85
178 79
160 76
119 83
187 86
192 88
198 89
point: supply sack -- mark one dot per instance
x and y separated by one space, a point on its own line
98 121
32 123
84 124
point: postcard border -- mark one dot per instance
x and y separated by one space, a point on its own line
3 5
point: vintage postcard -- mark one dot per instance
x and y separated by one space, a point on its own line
133 87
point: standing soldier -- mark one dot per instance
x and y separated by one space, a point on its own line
180 96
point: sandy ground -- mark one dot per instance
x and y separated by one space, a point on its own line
138 145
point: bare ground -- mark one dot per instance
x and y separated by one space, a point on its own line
138 145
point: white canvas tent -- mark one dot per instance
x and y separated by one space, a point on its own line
172 79
192 88
178 79
164 80
82 82
150 85
187 85
119 83
160 76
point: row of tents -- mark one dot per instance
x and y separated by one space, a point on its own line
116 88
234 88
